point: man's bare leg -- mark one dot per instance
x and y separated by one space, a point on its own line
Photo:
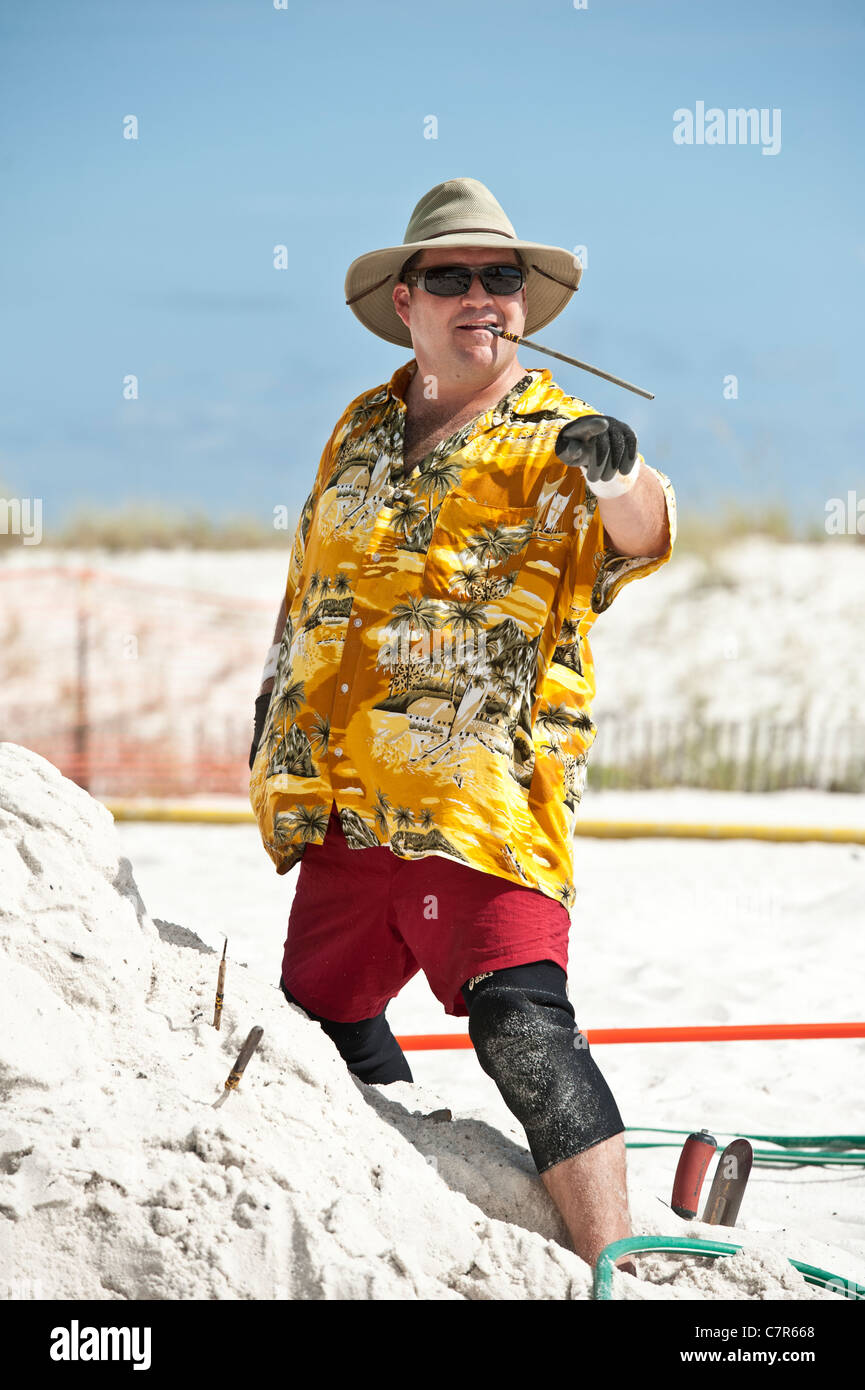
590 1191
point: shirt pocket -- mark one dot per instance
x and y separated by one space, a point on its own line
475 550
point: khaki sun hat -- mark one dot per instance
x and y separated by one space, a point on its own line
461 212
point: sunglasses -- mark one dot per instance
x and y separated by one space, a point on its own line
449 280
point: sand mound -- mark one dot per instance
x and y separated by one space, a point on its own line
118 1180
117 1177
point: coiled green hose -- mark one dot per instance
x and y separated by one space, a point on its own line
602 1288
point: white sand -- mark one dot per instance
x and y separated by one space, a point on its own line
119 1180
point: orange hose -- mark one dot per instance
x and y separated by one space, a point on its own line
429 1042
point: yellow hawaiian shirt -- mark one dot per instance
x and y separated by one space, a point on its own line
435 678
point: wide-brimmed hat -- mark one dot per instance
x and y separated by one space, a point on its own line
461 212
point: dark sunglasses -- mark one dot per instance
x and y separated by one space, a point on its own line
458 279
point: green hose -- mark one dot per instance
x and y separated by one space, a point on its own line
791 1158
797 1149
603 1281
796 1141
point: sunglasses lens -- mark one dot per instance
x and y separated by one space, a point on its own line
502 279
447 280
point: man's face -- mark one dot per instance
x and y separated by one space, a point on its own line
441 327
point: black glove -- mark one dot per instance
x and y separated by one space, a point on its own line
262 705
601 446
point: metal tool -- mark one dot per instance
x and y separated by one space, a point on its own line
728 1185
220 989
233 1079
574 362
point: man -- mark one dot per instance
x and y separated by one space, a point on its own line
425 746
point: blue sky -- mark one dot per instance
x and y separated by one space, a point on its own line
304 126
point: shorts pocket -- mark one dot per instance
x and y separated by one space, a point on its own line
476 551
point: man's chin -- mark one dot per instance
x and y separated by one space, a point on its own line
466 357
482 348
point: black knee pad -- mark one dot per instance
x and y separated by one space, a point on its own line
523 1028
368 1047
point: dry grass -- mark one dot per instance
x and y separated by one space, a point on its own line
149 525
704 535
138 526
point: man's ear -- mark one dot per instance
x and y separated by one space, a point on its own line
402 302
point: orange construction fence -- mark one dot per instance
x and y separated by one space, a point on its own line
144 689
131 688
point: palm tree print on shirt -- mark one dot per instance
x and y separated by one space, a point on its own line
445 722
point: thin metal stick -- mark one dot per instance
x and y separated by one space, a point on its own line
574 362
233 1079
220 989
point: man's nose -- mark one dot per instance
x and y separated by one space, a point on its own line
476 290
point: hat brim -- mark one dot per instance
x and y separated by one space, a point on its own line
553 276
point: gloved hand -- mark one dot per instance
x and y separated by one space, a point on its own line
262 705
605 449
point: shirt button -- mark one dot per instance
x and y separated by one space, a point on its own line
376 556
357 622
343 687
337 752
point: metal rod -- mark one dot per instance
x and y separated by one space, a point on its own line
573 361
233 1079
220 989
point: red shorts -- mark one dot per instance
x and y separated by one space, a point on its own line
364 921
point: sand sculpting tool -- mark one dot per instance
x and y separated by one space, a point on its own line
573 361
728 1185
220 989
233 1079
694 1160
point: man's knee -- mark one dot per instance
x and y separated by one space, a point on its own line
524 1033
368 1047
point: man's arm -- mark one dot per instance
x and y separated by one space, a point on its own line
267 686
295 566
636 522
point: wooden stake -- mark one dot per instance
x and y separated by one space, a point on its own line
220 986
233 1079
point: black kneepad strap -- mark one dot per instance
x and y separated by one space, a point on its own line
523 1028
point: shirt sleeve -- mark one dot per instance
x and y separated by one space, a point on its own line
605 569
307 512
298 549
